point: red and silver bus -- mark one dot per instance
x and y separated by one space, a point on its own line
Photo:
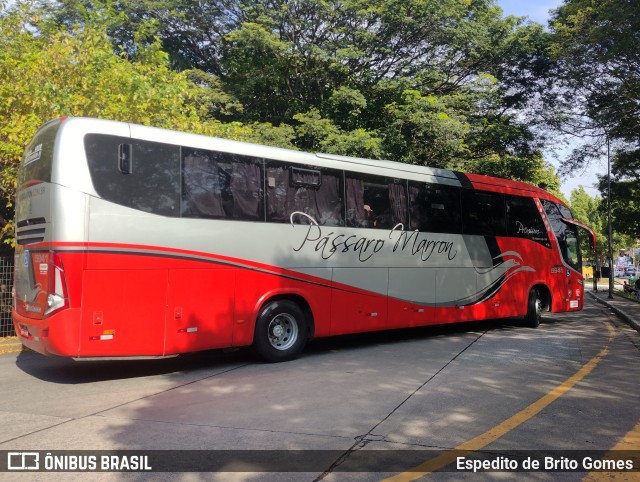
137 241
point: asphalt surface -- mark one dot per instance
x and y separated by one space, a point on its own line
330 394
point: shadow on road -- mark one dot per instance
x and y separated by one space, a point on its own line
67 371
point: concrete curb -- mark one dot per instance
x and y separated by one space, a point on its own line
621 313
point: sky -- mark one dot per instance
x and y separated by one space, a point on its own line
538 11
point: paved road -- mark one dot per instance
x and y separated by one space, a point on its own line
491 388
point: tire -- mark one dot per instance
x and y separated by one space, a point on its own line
281 331
534 310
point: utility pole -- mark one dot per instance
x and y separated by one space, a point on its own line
611 268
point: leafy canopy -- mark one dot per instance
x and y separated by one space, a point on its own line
436 82
444 83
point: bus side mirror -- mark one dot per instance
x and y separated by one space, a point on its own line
125 163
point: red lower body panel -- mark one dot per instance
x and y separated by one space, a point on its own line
149 302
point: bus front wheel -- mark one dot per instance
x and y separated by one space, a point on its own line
534 309
281 331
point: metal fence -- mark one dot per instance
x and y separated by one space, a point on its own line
6 282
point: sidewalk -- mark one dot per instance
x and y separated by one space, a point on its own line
10 344
625 308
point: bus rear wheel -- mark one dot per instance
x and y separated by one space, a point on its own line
281 331
534 309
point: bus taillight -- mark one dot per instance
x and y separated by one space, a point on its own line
57 286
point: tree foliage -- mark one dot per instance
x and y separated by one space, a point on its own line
433 82
444 83
597 48
47 74
625 193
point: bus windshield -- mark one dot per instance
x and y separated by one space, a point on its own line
566 234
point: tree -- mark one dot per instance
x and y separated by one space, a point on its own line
46 74
597 98
435 82
597 73
625 194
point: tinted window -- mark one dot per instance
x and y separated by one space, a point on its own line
524 220
38 156
555 218
375 201
435 208
566 235
315 193
152 181
564 211
221 185
483 213
571 248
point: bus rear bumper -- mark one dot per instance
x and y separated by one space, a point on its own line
35 334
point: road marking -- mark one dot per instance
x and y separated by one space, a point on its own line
631 441
505 427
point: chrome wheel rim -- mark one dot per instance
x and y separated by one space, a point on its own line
283 331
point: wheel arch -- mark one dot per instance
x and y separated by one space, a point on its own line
297 298
545 295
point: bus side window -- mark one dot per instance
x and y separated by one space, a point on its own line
201 186
221 185
435 208
313 194
483 213
375 201
246 191
152 186
524 220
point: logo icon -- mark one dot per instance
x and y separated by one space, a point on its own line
23 461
